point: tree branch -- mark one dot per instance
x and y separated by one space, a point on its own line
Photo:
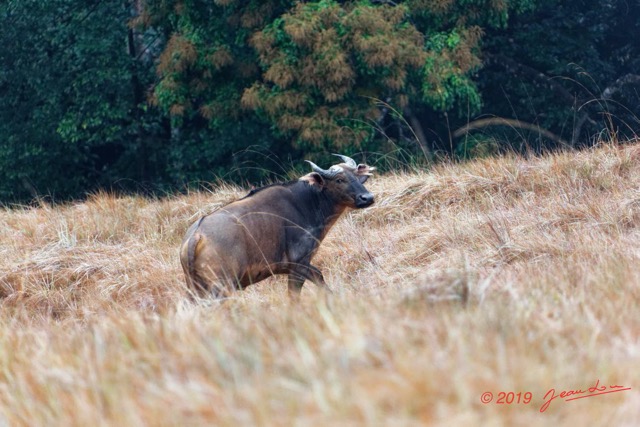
418 132
501 121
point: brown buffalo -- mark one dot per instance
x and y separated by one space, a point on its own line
276 229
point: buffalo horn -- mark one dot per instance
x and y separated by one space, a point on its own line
348 161
333 171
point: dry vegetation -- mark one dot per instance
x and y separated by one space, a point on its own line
495 275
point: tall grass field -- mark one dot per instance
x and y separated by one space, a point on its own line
498 292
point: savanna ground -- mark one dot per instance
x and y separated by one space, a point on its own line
502 275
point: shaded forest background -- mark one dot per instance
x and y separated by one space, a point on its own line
156 95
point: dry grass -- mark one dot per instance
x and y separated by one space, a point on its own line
504 275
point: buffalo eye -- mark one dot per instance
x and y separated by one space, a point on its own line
340 181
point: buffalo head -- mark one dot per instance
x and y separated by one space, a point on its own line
343 183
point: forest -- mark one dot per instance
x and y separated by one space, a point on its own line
157 96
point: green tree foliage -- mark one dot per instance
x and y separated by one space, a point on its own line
205 65
572 68
167 92
74 116
314 70
323 63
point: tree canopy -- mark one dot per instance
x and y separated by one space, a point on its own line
156 94
74 116
317 71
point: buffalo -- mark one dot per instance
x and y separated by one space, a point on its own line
275 229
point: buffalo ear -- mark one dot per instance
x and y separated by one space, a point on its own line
364 172
313 178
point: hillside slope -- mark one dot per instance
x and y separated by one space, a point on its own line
501 275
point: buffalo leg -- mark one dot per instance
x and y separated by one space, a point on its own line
311 273
295 287
302 272
196 288
315 275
